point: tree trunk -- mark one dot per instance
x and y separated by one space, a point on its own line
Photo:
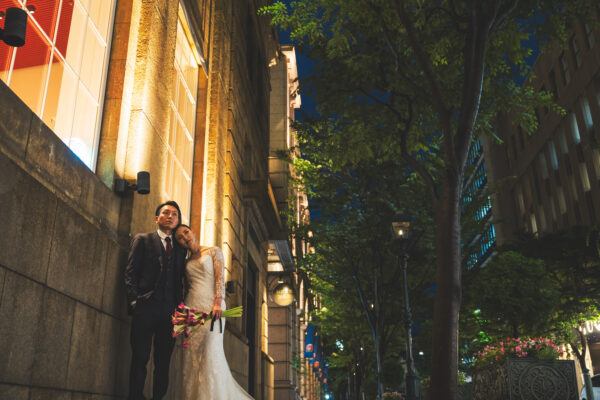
444 370
587 379
378 357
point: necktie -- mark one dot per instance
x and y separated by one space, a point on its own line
169 246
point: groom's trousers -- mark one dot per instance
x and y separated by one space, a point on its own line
151 319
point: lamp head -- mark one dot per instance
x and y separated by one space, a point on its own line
142 186
15 25
143 182
401 225
283 294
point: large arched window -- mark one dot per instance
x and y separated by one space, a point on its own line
60 72
182 121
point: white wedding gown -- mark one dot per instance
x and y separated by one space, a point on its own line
206 374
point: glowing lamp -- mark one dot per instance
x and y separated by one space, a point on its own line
283 294
401 226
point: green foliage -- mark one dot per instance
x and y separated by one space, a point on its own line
354 268
514 293
418 81
544 285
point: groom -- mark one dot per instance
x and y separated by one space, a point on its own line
153 277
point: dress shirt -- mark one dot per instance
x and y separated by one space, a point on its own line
163 236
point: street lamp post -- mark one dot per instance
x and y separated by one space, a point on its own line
404 237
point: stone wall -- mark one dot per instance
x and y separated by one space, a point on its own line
63 323
62 309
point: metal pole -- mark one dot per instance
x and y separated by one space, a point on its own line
412 381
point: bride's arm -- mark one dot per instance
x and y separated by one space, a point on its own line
219 268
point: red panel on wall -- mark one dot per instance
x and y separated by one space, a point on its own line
36 48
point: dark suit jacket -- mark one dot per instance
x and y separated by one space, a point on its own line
145 265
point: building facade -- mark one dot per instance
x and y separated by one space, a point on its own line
102 90
289 300
550 179
476 207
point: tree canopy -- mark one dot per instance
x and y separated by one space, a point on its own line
421 80
354 267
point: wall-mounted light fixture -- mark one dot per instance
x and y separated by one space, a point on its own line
142 186
230 287
15 25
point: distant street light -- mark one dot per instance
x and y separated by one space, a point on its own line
404 237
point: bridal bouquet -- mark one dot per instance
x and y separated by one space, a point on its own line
187 320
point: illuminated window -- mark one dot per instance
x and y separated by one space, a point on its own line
585 180
574 128
596 158
182 122
60 72
552 152
533 222
587 114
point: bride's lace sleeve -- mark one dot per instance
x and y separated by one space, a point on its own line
219 267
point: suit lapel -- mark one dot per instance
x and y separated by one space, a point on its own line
158 248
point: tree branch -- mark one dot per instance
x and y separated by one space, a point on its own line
423 60
419 168
420 91
474 56
502 13
455 13
436 98
456 18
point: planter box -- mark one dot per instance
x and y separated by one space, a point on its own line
526 379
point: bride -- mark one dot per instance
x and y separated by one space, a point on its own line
206 374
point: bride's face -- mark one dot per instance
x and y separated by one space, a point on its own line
185 237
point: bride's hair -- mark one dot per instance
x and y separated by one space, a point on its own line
175 232
180 226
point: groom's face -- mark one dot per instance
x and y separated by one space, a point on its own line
167 219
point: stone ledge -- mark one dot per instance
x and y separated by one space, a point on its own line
30 144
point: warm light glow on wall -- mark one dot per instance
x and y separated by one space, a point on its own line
182 122
265 323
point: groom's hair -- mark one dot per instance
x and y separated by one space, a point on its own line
168 203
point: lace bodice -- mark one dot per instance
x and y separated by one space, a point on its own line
206 374
206 279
